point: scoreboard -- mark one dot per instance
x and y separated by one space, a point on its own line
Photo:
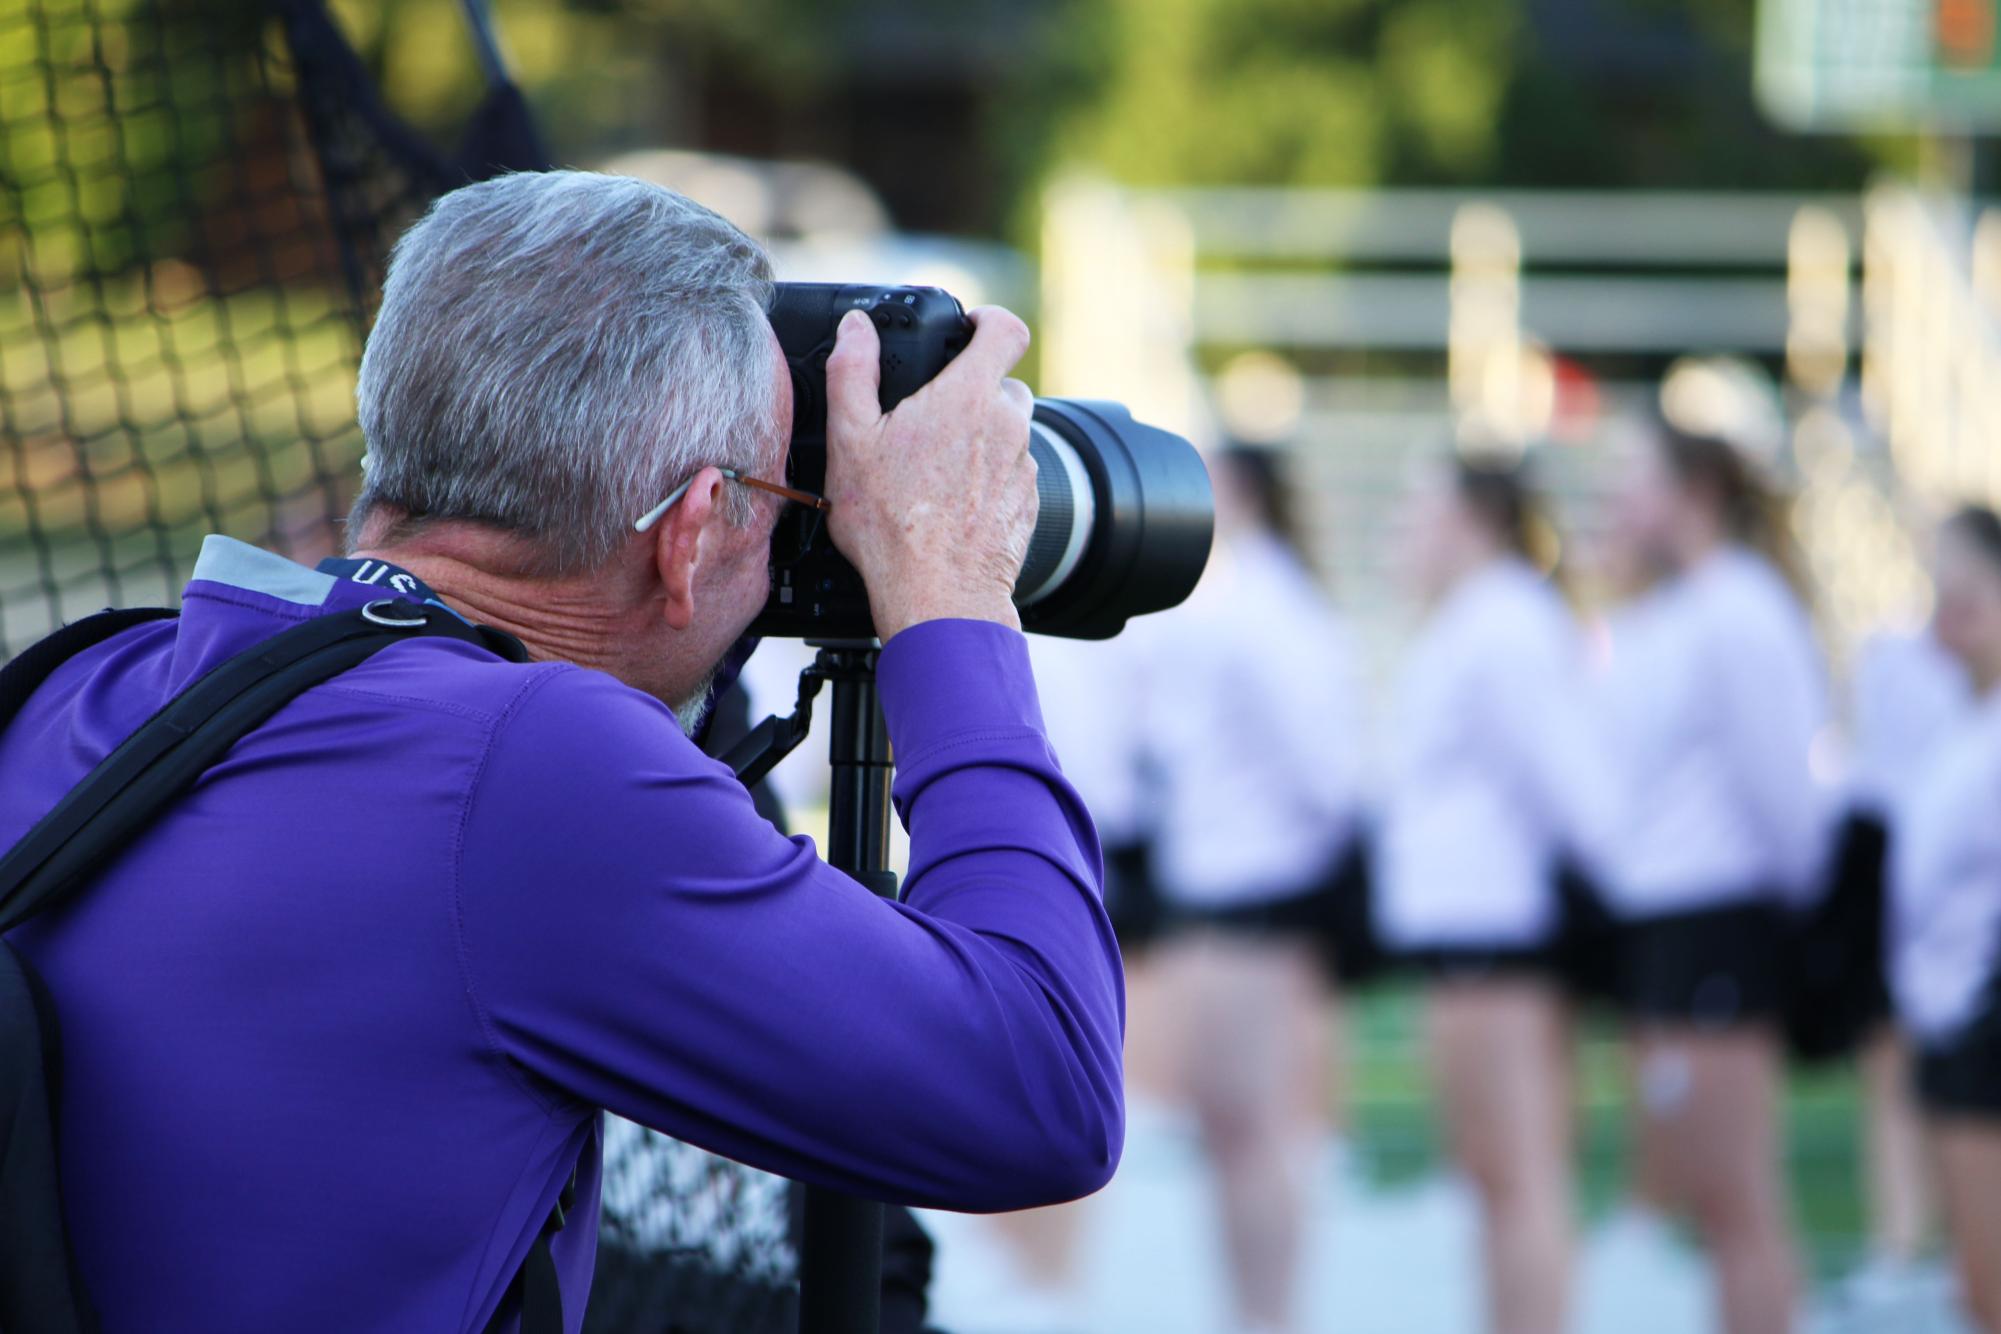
1879 65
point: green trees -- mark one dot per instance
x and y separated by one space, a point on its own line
1293 91
1404 92
1306 92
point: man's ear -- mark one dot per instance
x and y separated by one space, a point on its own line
682 540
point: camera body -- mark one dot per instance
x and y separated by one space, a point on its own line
1124 510
815 593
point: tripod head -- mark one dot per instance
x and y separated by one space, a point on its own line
762 748
759 751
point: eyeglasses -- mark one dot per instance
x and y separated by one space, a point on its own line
658 512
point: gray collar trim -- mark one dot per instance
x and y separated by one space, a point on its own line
224 560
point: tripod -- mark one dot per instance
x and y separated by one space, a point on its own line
840 1264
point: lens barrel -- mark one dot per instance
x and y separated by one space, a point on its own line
1125 521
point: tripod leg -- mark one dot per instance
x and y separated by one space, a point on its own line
840 1262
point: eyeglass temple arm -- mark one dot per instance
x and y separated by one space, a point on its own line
654 515
658 512
806 498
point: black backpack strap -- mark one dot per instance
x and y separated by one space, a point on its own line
134 784
163 758
536 1281
24 674
40 1287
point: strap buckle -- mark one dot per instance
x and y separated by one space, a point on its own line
373 612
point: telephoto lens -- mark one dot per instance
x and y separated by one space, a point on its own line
1125 513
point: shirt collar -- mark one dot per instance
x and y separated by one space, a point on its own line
239 594
378 574
234 564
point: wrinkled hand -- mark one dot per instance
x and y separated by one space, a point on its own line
935 501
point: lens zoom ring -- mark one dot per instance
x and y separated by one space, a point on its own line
1055 515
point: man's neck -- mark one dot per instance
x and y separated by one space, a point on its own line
558 619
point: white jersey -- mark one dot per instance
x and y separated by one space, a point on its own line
1496 773
1090 696
1906 697
1250 731
1712 698
1945 880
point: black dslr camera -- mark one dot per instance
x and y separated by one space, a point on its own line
1125 514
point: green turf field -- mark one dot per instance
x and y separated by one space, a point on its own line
1392 1121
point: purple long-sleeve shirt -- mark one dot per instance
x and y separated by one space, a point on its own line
335 1029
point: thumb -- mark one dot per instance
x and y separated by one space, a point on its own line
854 376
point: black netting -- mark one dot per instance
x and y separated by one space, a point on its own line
691 1243
196 202
695 1244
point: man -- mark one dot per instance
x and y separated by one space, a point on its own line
337 1029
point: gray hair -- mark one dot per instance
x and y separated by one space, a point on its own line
557 351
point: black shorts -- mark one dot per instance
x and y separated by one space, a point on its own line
1837 993
1332 916
1962 1075
1132 900
1710 968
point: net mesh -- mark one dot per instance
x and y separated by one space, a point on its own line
196 204
177 337
691 1243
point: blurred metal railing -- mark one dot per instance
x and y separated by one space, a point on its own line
1883 455
1588 272
1368 328
1931 381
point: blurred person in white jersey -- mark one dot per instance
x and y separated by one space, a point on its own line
1714 694
1907 698
1251 739
1496 783
1946 918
